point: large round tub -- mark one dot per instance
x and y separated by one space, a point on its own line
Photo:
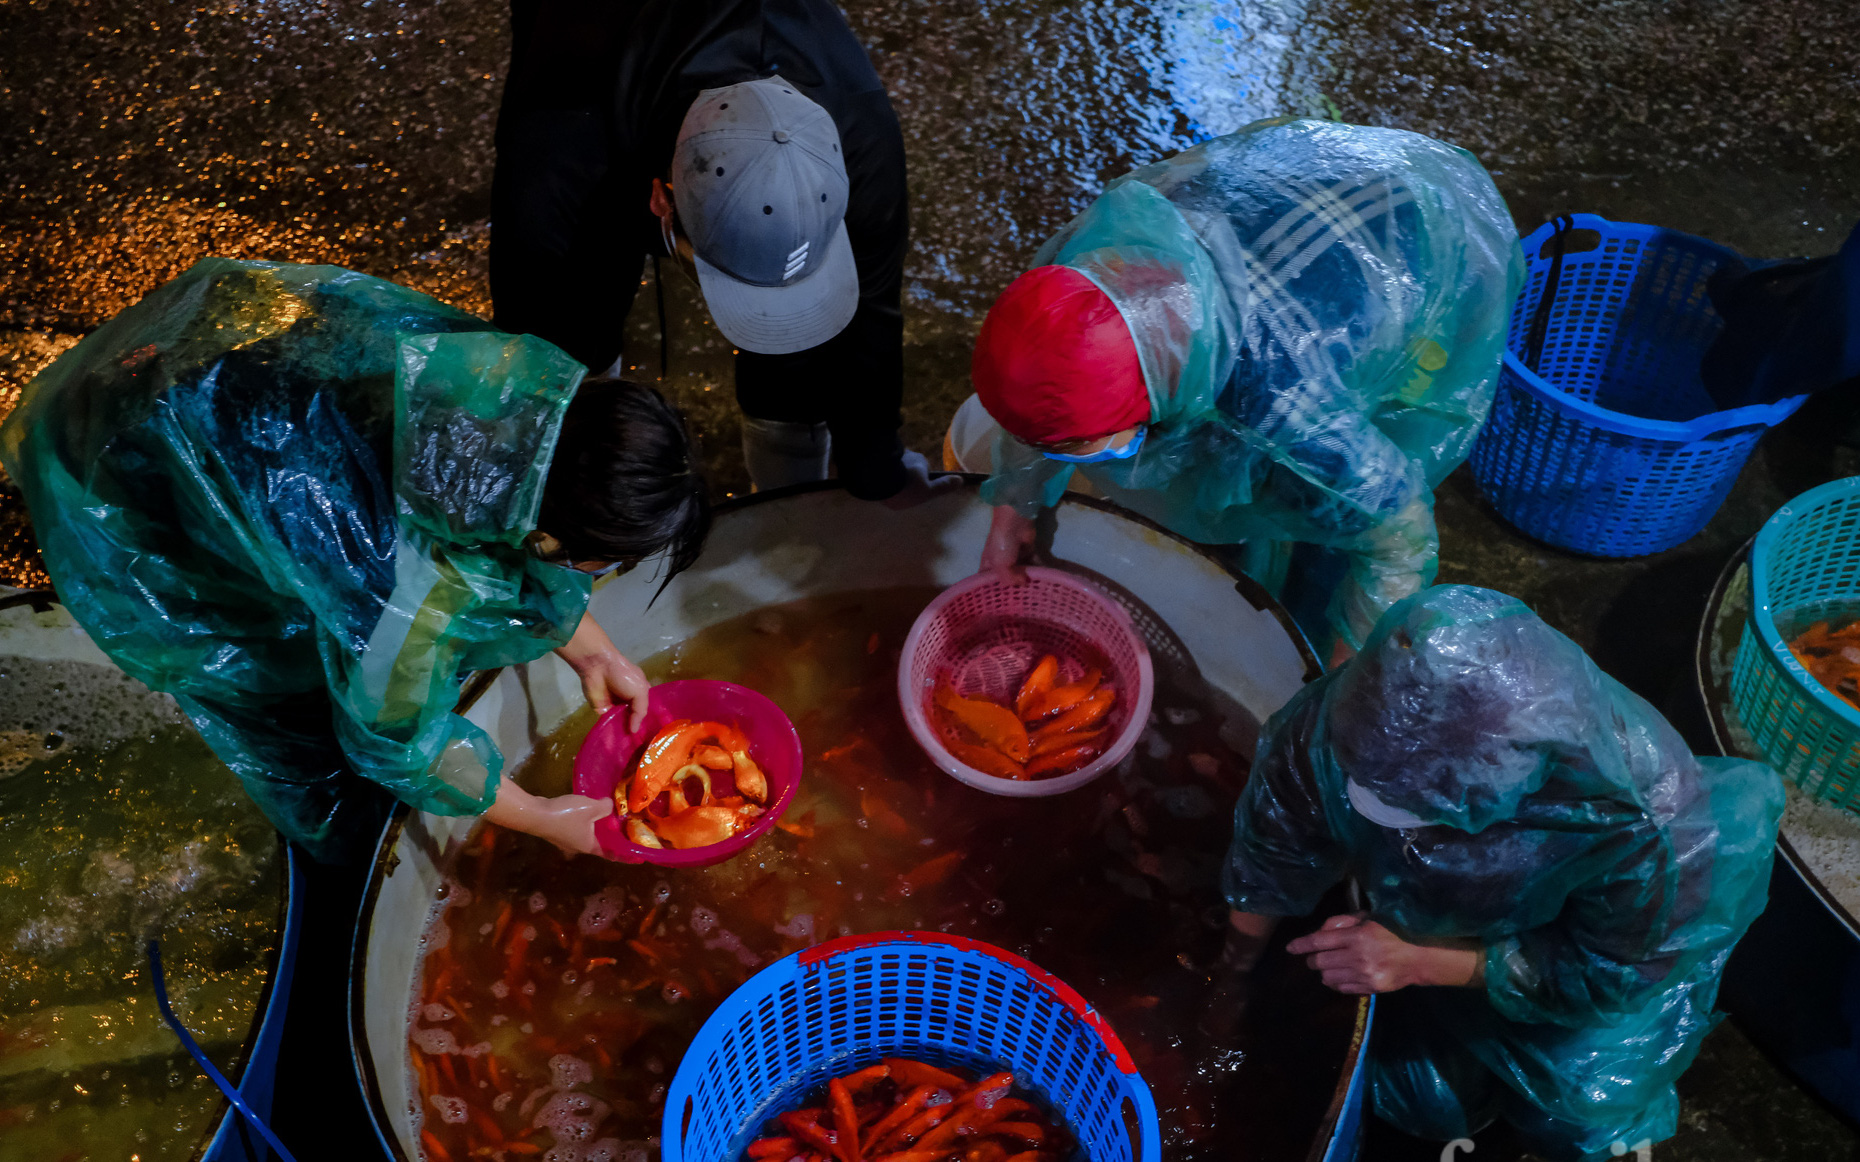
804 543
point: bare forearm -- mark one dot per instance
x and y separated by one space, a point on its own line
588 642
605 672
1357 955
1247 936
566 820
514 807
1449 967
1009 536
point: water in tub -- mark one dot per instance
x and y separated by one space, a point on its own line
558 994
118 824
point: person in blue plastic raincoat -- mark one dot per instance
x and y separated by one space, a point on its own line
304 501
1551 883
1286 335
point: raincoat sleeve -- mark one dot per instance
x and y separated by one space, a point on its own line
476 419
1602 955
1394 559
1285 855
1670 898
1023 479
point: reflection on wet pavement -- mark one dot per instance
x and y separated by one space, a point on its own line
136 138
1737 122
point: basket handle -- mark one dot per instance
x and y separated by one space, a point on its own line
1766 415
1720 425
1540 318
1710 426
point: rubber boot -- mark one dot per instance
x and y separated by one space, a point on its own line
779 452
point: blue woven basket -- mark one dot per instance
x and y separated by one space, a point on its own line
840 1006
1804 568
1611 446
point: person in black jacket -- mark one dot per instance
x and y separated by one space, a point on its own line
752 141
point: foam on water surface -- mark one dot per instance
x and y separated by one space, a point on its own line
119 826
47 704
1828 840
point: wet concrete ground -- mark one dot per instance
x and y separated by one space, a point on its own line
136 138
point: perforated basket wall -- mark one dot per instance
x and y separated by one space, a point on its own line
840 1006
1804 567
983 637
1612 446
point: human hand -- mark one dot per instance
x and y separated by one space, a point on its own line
611 677
564 820
1358 956
1224 1008
607 676
1248 933
1009 536
919 484
568 822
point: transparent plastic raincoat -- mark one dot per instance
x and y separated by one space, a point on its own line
296 497
1320 311
1556 820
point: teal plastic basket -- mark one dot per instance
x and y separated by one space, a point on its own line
1804 567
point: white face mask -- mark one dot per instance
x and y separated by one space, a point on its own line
1376 811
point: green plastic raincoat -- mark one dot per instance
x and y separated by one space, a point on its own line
1319 310
296 497
1531 804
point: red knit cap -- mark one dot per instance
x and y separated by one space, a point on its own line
1056 362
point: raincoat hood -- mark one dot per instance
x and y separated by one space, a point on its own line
476 417
1463 702
1140 251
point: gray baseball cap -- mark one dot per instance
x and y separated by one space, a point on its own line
761 189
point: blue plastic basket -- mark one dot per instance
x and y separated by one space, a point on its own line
1804 568
828 1010
1611 446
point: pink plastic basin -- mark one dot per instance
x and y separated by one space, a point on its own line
610 749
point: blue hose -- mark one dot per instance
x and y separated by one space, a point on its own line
213 1074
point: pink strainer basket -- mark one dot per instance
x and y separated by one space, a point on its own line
983 637
610 749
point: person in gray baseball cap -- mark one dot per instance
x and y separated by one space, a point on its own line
751 141
780 278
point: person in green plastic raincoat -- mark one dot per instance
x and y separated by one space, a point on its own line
1551 883
304 501
1286 335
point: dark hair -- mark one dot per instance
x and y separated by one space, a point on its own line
624 482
